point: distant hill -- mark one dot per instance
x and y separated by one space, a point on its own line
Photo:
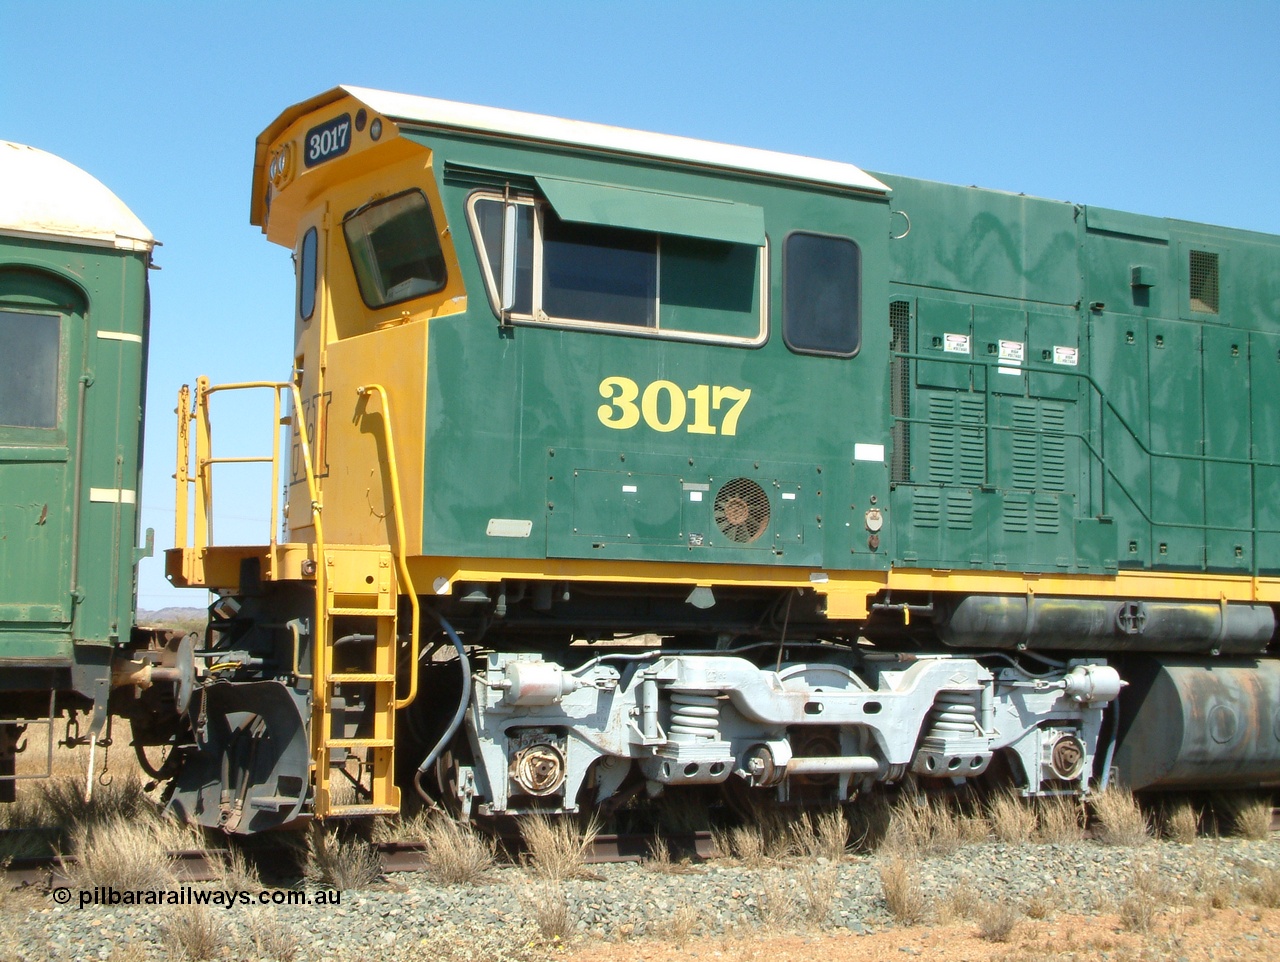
184 619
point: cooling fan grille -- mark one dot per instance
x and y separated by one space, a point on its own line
741 510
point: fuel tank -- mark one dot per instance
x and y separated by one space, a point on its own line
1199 724
1091 624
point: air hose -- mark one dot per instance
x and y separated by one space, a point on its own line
457 715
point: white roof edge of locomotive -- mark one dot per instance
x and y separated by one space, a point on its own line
411 109
42 195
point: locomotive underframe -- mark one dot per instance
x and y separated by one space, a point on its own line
561 715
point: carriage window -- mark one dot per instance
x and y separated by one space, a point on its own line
821 311
395 249
28 370
599 276
307 276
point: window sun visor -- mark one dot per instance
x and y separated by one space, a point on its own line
655 211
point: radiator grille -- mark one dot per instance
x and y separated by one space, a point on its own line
900 390
1204 282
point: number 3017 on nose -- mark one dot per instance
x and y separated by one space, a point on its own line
665 406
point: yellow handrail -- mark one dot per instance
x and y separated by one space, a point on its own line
319 662
202 478
181 475
402 562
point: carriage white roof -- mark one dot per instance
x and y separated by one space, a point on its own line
405 108
42 194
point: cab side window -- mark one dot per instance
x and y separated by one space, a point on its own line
821 312
307 276
395 249
576 273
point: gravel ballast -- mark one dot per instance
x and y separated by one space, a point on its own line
407 916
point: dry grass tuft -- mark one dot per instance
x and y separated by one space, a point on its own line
1138 911
929 825
340 863
1148 894
121 853
903 894
1011 819
818 889
1039 907
556 848
1120 820
61 801
129 952
1059 820
1250 815
28 843
549 908
387 829
1264 889
1213 887
996 922
684 924
960 904
659 858
749 845
237 872
27 811
826 837
273 939
193 934
778 909
1182 823
766 839
455 853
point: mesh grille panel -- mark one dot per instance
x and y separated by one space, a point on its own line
900 389
1204 282
741 510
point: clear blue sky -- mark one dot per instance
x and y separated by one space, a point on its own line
1169 108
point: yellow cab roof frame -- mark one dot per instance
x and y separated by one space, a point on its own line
261 150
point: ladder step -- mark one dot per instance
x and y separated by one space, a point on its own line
359 676
336 811
359 743
365 612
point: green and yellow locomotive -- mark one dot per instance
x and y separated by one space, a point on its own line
622 463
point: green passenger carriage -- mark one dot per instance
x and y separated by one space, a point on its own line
73 342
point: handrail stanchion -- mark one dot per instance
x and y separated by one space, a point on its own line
402 562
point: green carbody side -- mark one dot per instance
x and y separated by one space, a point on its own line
1157 448
49 476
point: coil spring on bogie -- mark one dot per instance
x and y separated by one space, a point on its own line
695 715
955 712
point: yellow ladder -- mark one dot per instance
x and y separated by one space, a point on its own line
359 586
360 582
